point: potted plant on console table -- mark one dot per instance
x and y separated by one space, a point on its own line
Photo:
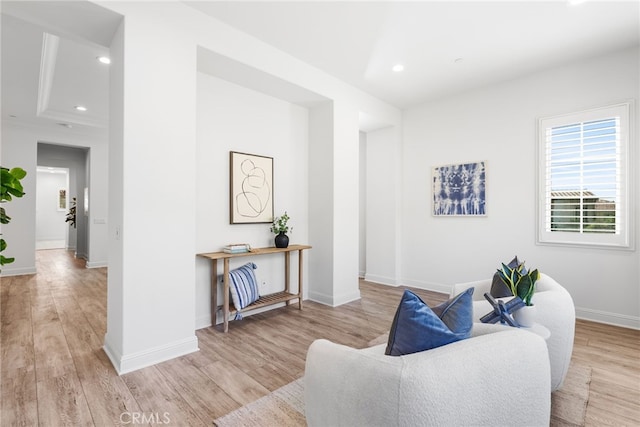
280 229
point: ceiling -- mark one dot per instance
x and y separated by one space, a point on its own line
50 66
49 48
446 47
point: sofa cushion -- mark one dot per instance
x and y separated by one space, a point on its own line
243 285
417 327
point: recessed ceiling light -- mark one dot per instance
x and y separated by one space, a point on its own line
398 67
104 59
80 108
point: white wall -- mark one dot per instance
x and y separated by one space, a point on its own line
50 221
19 150
346 156
382 209
234 118
321 177
497 124
362 206
114 344
152 157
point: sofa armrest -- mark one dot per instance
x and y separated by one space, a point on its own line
481 287
456 384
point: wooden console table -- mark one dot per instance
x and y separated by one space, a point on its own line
285 296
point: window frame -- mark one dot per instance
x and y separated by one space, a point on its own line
622 240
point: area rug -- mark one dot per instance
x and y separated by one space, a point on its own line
282 407
285 406
569 404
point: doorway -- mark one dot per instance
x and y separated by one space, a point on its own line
52 204
53 161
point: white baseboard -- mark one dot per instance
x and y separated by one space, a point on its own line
321 298
332 301
97 264
50 244
383 280
346 298
203 322
608 318
18 271
428 286
124 364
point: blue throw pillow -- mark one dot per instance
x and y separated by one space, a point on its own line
243 285
416 327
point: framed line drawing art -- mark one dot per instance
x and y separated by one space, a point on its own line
251 188
459 190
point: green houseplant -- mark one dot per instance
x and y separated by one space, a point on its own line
71 215
280 227
520 281
10 187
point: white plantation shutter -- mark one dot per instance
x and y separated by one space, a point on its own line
583 171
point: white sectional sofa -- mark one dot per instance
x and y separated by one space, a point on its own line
498 377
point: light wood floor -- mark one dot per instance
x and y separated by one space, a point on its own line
54 371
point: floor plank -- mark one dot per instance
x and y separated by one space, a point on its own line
158 398
61 402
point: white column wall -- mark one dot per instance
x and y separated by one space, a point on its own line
383 218
153 234
346 190
321 177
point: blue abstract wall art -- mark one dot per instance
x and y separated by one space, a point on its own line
459 190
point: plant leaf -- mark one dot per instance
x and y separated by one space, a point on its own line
4 260
18 173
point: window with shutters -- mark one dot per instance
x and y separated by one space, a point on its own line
583 178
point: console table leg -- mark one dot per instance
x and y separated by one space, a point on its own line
225 296
287 259
214 292
300 280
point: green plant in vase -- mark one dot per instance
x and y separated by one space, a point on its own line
520 281
280 227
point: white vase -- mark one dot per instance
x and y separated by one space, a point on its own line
526 316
